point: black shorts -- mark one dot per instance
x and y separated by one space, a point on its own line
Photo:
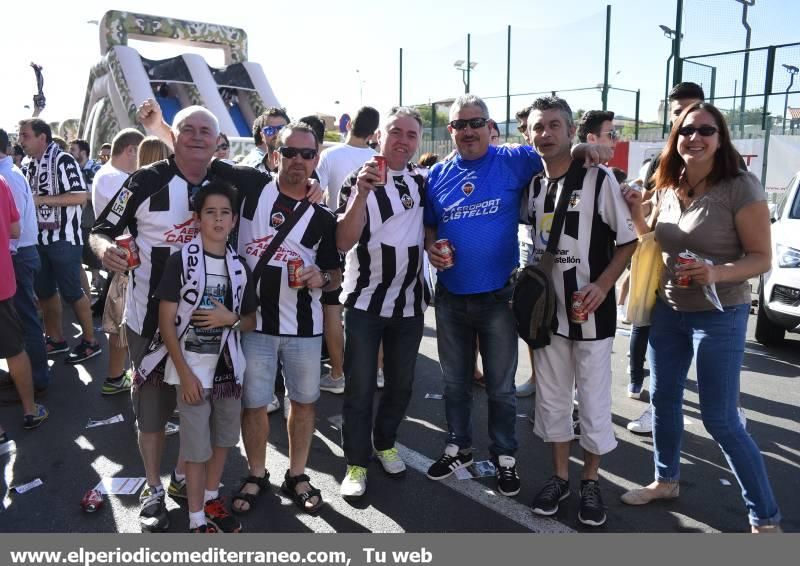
331 297
11 333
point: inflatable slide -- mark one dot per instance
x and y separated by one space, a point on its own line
236 93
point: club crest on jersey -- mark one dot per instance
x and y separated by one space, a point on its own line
407 201
574 199
467 188
277 219
121 201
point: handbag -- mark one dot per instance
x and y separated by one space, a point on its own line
647 266
534 298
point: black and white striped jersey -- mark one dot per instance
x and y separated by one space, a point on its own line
282 311
56 223
155 205
597 222
383 271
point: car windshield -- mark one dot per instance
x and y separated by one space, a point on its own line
794 211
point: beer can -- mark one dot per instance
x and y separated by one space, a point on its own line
294 268
446 250
383 168
128 245
577 313
682 280
92 501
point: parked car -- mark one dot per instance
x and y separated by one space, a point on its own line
779 289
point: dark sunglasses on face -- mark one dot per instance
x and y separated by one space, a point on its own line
612 134
474 123
291 152
222 147
270 131
704 131
522 129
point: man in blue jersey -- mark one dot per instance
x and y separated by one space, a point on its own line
473 202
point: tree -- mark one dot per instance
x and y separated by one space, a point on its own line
425 110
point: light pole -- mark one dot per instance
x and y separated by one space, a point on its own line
668 33
792 70
745 4
465 70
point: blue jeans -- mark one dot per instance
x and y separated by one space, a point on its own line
60 271
717 340
638 350
459 319
26 266
363 333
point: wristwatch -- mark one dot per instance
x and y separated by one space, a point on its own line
237 324
326 278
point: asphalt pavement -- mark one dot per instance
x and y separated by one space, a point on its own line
70 459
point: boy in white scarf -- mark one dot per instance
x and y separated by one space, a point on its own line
206 301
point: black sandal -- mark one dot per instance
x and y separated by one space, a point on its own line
250 498
289 488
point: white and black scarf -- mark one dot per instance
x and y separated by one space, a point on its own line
42 180
230 366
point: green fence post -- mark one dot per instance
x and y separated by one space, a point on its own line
608 44
636 132
508 81
766 152
768 83
401 76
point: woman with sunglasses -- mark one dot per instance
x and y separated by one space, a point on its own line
223 147
712 209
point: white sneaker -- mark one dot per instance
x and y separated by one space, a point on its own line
644 424
381 380
526 389
354 483
331 385
287 405
622 314
742 417
274 405
391 461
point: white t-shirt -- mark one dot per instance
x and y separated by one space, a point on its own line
201 347
107 181
335 166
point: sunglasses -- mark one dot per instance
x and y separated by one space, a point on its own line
612 134
474 123
270 131
704 131
522 129
222 147
291 152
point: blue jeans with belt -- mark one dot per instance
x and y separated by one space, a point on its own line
716 339
459 319
26 265
363 333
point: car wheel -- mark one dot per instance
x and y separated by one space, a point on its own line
767 332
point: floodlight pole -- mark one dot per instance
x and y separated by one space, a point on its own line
677 71
745 4
792 70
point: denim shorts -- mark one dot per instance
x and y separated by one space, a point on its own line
61 271
301 368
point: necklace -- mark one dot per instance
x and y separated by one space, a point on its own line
690 192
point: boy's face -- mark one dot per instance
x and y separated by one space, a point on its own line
216 219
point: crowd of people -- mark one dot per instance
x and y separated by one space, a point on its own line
225 276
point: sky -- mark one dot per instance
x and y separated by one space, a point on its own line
333 56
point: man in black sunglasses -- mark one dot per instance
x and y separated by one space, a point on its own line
265 133
597 126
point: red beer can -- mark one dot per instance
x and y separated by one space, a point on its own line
577 313
383 168
294 268
128 245
92 501
682 280
446 250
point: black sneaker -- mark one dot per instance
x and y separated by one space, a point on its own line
202 529
553 492
37 418
508 482
153 516
451 460
591 512
83 352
